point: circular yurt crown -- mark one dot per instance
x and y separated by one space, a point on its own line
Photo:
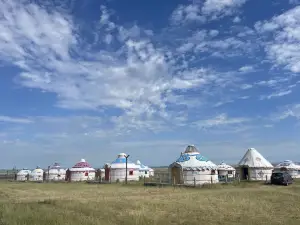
191 149
122 155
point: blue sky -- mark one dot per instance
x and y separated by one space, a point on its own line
90 79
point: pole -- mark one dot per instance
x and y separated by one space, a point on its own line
126 168
48 173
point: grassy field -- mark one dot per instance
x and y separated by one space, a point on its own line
90 204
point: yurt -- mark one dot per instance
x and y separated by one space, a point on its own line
82 171
36 175
253 166
292 168
23 174
144 171
193 168
226 172
151 172
117 170
56 173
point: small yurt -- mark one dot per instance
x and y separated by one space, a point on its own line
36 175
82 171
193 168
117 169
151 172
292 168
144 171
226 172
56 173
253 166
23 174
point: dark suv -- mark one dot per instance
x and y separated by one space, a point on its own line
283 178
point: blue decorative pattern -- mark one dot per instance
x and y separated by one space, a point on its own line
183 158
201 158
121 160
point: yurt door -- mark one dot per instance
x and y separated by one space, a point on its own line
245 173
176 175
106 174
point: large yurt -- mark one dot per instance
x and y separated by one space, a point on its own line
253 166
226 172
23 174
144 171
193 168
56 173
117 170
37 175
292 168
82 171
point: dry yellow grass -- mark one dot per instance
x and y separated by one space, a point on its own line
72 204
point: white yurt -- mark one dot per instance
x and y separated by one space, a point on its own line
193 168
292 168
117 169
56 173
151 172
144 171
82 171
23 174
36 175
253 166
226 172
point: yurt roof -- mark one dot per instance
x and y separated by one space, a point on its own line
254 159
191 158
120 162
142 166
24 171
37 170
224 166
55 166
288 164
82 166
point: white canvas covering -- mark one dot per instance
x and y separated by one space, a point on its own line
117 169
193 168
292 168
144 171
22 174
56 173
36 175
254 166
226 170
82 171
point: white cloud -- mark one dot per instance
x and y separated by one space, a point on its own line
246 69
219 8
220 120
209 10
287 111
276 94
8 119
283 34
236 19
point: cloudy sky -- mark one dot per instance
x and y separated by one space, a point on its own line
90 79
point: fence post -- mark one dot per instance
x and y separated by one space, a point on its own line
194 182
226 179
211 179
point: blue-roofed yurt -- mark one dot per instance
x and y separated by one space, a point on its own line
117 169
145 171
193 168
